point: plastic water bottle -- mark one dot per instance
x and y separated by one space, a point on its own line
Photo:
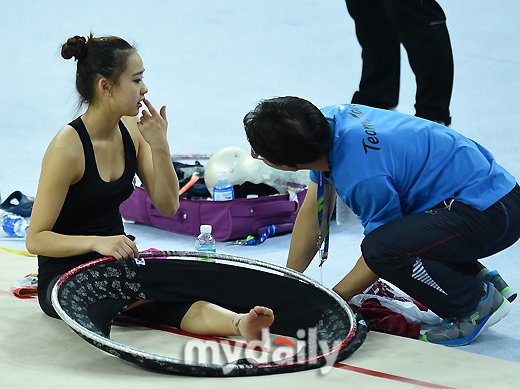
223 189
205 242
13 225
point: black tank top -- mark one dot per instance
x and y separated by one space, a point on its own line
91 206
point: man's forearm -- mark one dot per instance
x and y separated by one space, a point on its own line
305 234
356 281
302 251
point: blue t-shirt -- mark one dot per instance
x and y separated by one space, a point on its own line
385 165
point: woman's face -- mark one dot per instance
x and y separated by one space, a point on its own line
129 92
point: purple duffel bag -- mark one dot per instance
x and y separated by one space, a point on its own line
233 219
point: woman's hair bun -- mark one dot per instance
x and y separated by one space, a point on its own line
74 47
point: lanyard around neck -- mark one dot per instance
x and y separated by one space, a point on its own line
323 218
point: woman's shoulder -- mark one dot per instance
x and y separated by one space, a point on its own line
64 155
66 143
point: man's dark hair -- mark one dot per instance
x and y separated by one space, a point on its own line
288 131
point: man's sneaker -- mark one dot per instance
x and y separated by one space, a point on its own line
460 331
499 283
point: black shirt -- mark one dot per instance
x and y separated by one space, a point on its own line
91 206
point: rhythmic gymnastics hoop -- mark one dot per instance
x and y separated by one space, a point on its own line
109 278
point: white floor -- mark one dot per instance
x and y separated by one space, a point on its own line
210 62
43 352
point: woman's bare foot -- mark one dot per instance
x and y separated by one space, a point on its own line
250 325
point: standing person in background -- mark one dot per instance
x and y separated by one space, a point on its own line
420 25
88 171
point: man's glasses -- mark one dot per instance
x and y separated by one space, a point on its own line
255 155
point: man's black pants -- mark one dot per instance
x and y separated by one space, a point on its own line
420 25
433 256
